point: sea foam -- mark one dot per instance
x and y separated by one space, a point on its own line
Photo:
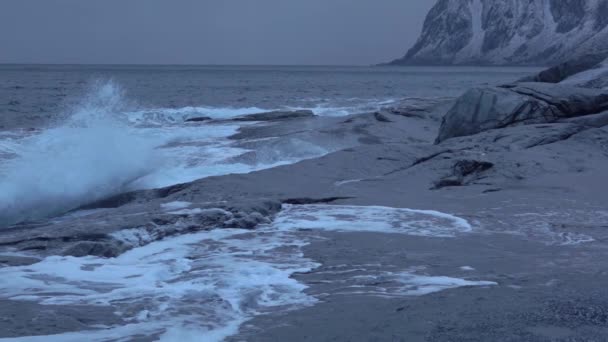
204 286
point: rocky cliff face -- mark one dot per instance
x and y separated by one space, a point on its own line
510 32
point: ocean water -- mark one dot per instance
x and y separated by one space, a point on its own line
73 134
41 91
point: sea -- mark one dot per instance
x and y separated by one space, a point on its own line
72 134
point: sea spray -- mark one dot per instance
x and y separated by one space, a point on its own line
89 155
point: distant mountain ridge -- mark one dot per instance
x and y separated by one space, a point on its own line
509 32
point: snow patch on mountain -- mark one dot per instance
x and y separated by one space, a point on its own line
516 32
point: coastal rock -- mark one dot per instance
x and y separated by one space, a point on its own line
567 69
380 117
276 115
589 71
198 119
514 32
596 120
463 173
111 232
15 260
481 109
595 77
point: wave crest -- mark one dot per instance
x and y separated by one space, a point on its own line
89 155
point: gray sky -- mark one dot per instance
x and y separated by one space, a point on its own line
208 31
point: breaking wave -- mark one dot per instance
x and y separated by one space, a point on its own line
89 155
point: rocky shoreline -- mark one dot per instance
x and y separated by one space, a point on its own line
525 163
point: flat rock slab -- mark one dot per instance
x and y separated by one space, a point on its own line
23 318
275 115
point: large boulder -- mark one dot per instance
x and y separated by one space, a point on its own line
595 77
481 109
567 69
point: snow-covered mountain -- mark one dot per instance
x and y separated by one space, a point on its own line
515 32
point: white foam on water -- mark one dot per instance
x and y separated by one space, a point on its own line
347 181
325 107
548 226
388 281
203 286
9 144
422 285
186 172
187 211
175 205
162 116
399 284
371 219
194 287
190 163
192 153
103 148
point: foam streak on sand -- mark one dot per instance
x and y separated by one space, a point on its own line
205 285
194 286
372 219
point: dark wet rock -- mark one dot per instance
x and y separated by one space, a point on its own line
110 202
464 172
108 233
418 108
408 112
107 249
13 260
487 191
481 109
380 117
300 201
276 115
198 119
448 182
464 168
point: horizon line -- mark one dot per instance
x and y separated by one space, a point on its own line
383 65
182 64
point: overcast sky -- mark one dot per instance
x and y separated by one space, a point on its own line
208 31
